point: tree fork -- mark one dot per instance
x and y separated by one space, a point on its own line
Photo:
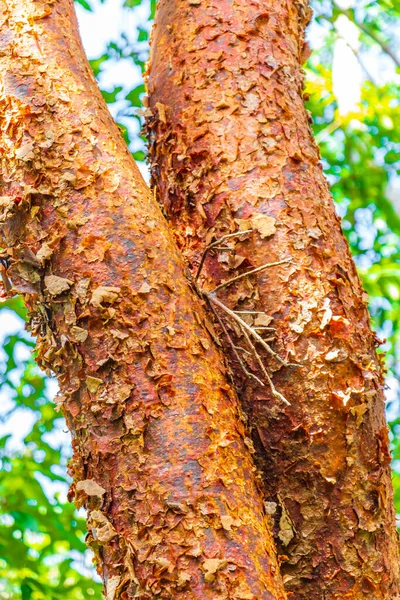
161 458
231 149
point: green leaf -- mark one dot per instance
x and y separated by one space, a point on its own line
139 155
111 97
85 4
143 35
97 63
26 591
134 96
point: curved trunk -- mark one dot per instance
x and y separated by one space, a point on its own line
160 452
231 150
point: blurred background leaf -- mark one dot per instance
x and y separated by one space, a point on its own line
353 91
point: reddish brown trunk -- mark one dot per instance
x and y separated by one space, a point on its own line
231 149
161 457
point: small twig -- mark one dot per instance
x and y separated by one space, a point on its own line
248 273
249 312
243 350
214 245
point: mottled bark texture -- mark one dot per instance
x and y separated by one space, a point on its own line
161 458
231 149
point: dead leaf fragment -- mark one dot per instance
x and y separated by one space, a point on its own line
111 587
77 334
120 335
205 343
286 533
243 592
93 383
81 288
25 152
106 294
57 285
144 288
263 224
327 316
161 107
90 487
6 206
270 507
103 530
211 566
44 252
183 579
262 320
194 550
359 412
332 355
227 522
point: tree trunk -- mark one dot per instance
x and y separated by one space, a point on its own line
231 150
161 457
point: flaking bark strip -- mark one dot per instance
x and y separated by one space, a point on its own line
231 149
161 457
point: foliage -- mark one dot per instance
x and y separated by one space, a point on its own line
42 552
42 549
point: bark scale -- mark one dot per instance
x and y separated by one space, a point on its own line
161 457
231 149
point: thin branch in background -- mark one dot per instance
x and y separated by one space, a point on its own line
374 36
380 43
323 135
358 57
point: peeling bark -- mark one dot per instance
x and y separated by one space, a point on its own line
231 149
161 458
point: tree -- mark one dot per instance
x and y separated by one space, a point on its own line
232 151
133 102
161 458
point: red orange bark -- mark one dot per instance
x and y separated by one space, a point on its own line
231 149
161 457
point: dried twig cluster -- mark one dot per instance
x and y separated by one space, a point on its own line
252 334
